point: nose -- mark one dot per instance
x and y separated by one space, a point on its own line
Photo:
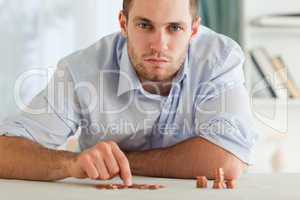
159 41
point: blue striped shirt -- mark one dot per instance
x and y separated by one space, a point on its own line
98 91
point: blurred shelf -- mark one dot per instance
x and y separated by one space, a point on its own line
275 32
272 102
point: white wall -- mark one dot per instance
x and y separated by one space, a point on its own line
36 34
95 19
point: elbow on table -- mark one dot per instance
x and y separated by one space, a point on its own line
234 168
216 157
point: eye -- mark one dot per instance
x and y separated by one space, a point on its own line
144 25
175 28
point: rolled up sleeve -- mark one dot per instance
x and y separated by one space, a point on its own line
222 109
51 117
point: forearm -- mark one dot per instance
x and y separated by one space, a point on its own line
26 160
188 159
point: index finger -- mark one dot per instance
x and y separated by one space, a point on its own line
125 172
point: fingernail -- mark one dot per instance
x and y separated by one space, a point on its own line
128 182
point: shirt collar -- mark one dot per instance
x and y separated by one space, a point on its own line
128 79
183 71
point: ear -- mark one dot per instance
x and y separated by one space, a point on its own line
195 27
123 23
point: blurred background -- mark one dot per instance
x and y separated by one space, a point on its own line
36 34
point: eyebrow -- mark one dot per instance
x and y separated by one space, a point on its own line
142 19
149 21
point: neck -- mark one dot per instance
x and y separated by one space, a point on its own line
161 88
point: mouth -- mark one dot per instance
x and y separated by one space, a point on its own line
156 61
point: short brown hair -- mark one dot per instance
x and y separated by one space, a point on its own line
193 6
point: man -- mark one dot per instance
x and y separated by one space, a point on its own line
164 98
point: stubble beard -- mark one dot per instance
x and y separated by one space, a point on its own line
143 75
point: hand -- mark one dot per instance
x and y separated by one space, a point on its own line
103 161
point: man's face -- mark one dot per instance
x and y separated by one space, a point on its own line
159 33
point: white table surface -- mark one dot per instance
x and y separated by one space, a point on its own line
250 186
